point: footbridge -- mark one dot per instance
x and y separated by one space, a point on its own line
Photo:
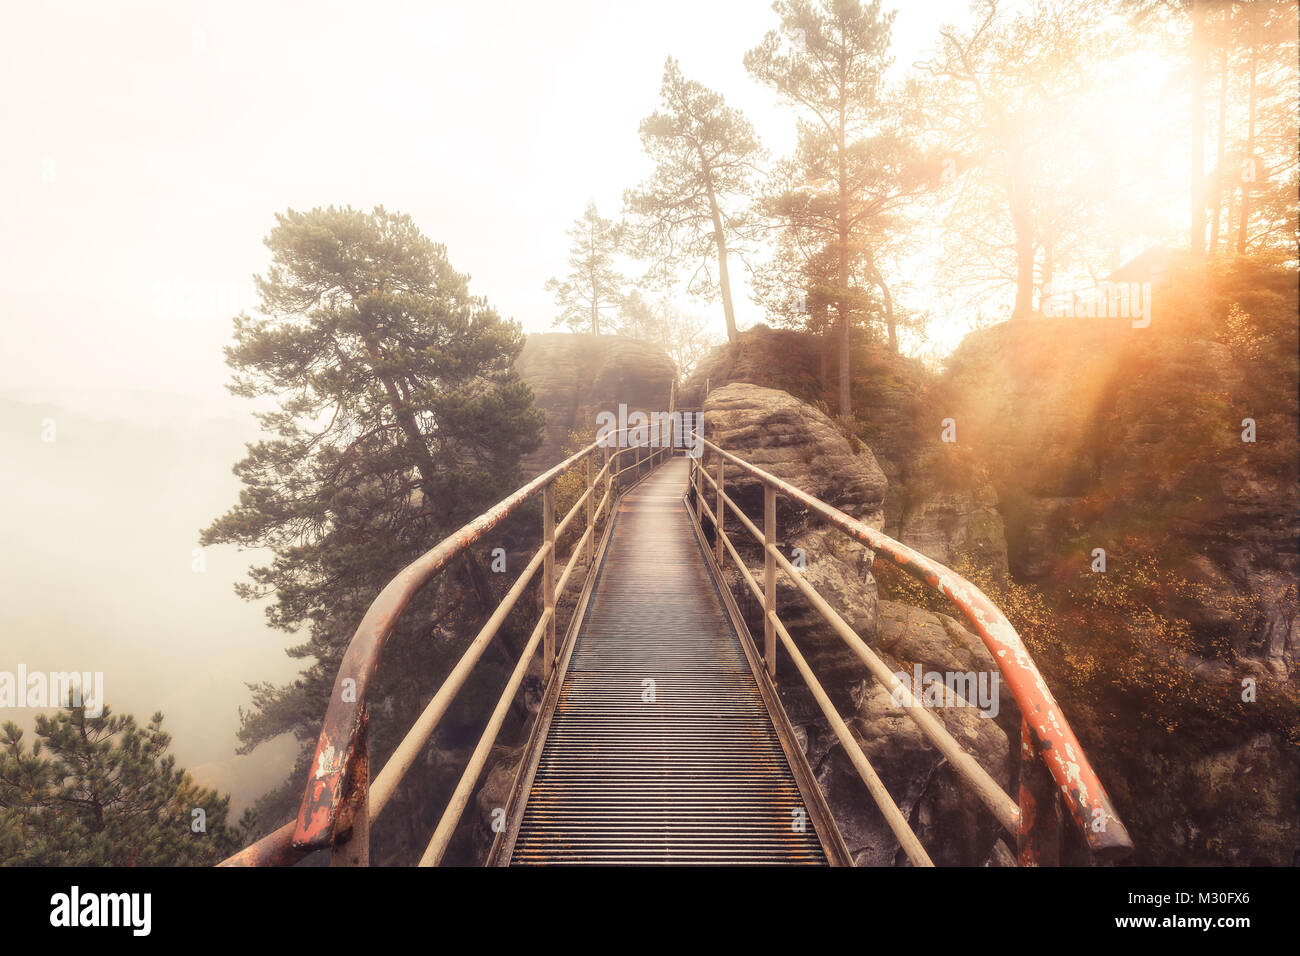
661 737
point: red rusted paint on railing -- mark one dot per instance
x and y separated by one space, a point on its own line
318 815
1038 831
1081 791
274 849
336 746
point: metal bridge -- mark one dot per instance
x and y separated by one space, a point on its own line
661 738
661 747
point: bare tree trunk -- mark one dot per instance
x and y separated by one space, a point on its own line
1197 239
405 418
724 280
1024 306
825 351
720 240
1247 183
890 322
1229 204
846 396
1223 130
1022 223
595 287
1049 274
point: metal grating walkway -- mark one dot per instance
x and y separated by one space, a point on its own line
696 776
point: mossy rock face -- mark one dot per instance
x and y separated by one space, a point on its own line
1103 431
1130 440
1230 804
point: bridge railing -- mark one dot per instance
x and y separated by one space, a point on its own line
340 801
1052 764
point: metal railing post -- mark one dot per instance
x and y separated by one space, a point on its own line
1038 833
548 579
697 465
694 487
769 578
591 510
719 552
341 803
354 848
609 480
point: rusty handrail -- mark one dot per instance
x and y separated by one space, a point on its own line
1045 732
337 806
340 802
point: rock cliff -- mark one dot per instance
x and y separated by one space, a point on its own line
575 377
943 502
801 445
1172 448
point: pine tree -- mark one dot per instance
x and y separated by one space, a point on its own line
398 417
101 791
692 210
594 287
828 59
1001 95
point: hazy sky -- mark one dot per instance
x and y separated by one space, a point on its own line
148 145
146 149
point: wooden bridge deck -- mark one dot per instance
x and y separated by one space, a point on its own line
660 748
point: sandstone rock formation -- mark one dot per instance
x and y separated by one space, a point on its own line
1097 434
951 524
575 377
803 446
1064 414
1073 435
795 442
1070 435
942 505
776 358
950 821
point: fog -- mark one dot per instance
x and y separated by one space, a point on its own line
101 569
147 148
